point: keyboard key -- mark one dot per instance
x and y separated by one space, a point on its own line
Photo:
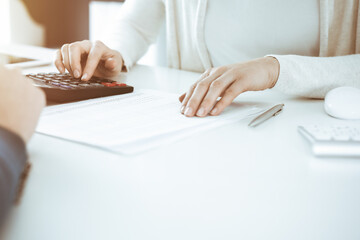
333 140
341 137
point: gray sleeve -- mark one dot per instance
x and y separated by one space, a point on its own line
12 162
313 77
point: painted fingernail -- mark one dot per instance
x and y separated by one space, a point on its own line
182 109
201 112
76 74
214 111
188 111
84 77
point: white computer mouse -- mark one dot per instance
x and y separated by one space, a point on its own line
343 103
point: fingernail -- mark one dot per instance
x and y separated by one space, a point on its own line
84 77
201 112
188 111
182 109
76 74
214 111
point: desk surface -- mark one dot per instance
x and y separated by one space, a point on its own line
232 182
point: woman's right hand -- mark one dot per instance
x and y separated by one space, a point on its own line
85 59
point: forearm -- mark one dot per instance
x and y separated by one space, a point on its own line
315 76
12 162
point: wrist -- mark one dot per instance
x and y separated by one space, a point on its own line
274 70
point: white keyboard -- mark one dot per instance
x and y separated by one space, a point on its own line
333 141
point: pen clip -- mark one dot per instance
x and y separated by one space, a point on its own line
278 112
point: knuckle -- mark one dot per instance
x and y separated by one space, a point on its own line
64 47
216 84
202 84
206 73
230 92
98 44
193 99
206 103
193 86
73 46
234 74
58 62
220 69
223 103
191 104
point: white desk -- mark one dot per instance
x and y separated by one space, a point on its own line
233 182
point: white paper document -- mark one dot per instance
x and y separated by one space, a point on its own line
132 123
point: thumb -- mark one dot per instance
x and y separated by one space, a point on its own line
113 65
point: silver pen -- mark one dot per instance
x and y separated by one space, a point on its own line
266 115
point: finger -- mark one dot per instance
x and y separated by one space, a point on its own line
111 64
229 95
187 96
217 87
65 57
181 98
59 62
92 62
189 93
199 93
196 98
75 52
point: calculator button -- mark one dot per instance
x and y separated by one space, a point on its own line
39 76
39 79
55 84
107 84
96 85
66 86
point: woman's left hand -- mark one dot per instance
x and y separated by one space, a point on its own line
228 82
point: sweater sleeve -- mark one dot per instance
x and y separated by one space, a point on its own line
137 26
313 77
12 162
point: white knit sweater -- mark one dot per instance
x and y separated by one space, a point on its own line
140 20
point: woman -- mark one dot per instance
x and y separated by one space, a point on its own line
220 38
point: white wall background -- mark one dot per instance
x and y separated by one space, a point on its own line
16 25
